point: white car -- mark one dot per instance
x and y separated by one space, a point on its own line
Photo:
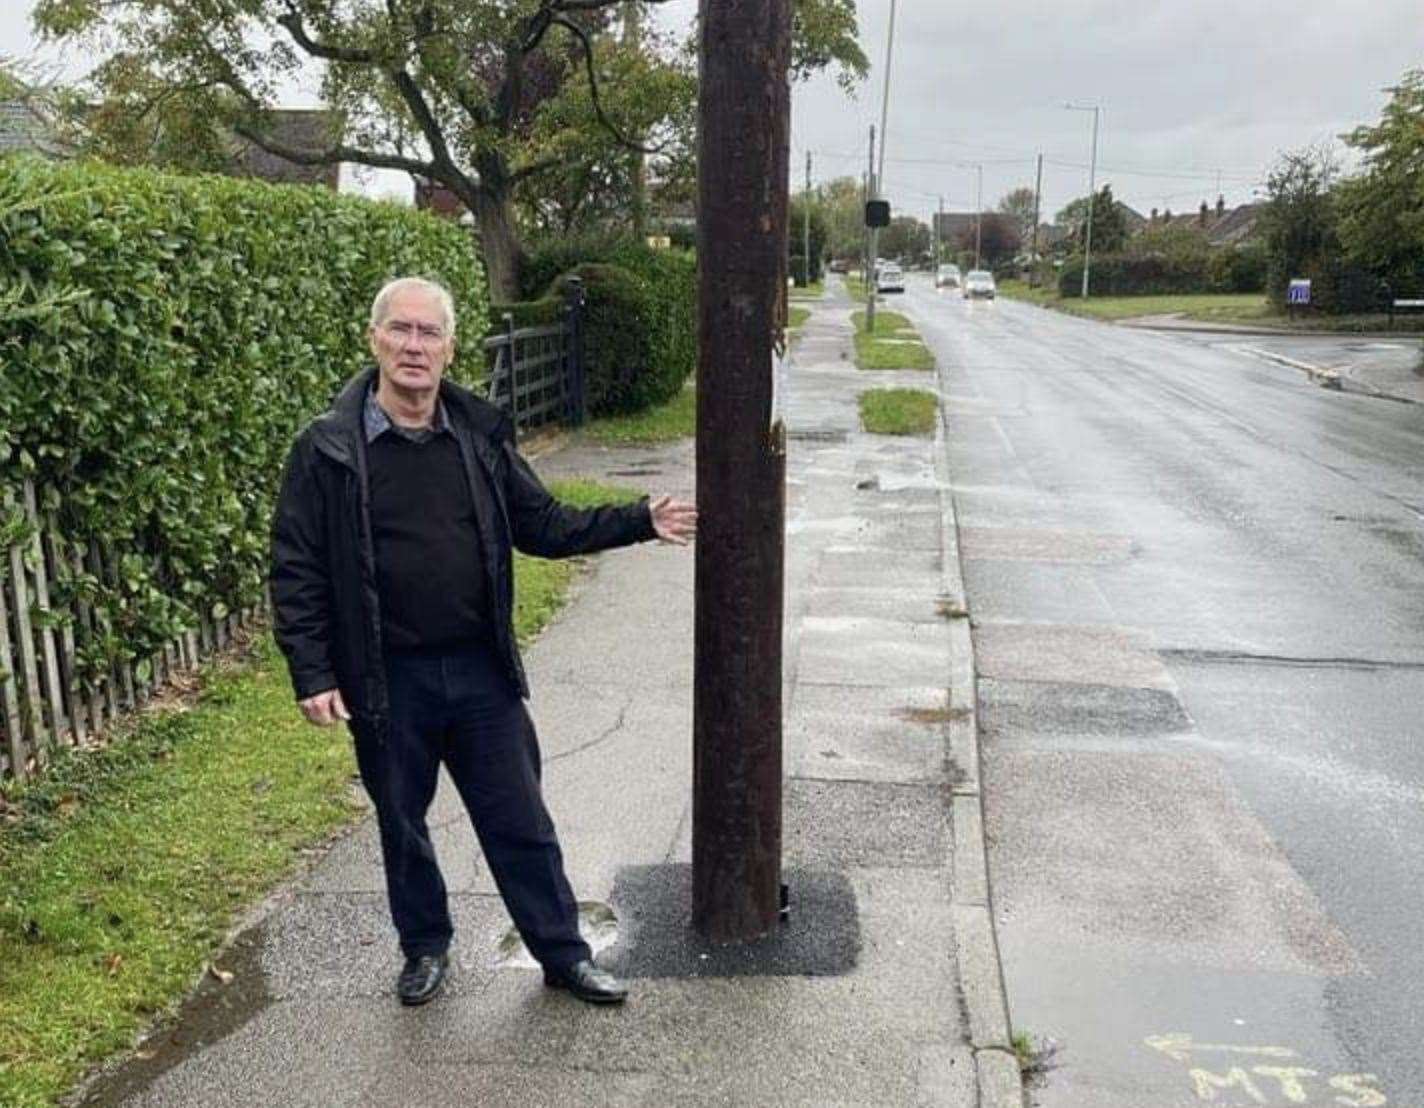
979 284
948 276
889 278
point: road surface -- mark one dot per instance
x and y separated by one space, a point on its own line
1198 601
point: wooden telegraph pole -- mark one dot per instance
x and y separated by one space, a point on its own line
743 178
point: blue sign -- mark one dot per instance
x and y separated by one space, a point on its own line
1299 291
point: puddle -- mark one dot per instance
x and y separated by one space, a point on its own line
598 924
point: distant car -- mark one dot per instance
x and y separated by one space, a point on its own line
948 277
889 278
979 285
839 265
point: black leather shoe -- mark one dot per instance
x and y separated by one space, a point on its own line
587 982
421 978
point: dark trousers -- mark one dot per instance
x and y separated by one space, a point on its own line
457 707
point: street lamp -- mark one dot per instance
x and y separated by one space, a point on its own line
1092 189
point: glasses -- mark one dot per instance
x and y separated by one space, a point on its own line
426 333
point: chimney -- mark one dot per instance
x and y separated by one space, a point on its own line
1220 206
1202 214
1154 216
1167 215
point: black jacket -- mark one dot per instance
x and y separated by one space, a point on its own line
323 579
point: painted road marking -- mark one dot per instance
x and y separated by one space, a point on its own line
1266 1084
1179 1045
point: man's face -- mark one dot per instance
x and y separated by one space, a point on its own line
412 344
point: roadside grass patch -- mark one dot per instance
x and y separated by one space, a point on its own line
796 317
1206 307
814 291
677 419
898 411
856 287
887 347
123 868
1036 1061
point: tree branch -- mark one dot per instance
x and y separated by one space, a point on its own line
424 117
292 21
574 29
524 172
335 154
590 5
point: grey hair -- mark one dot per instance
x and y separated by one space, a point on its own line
380 307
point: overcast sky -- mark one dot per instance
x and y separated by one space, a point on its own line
1190 90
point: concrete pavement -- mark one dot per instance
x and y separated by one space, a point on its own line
885 980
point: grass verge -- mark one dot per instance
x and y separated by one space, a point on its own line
856 287
1210 307
893 345
813 291
898 411
1251 309
122 869
796 317
676 419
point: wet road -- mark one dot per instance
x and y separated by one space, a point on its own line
1197 586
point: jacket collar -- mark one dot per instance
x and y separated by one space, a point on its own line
337 433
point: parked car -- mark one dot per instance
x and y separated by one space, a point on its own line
839 265
889 278
979 285
948 276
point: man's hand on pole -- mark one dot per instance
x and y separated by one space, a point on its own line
325 708
675 521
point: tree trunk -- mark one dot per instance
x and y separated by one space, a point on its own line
499 243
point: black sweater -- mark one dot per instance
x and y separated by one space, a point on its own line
431 582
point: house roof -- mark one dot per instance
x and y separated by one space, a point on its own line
1228 229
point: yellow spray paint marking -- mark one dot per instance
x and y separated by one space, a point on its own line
1358 1086
1207 1083
1266 1084
1179 1045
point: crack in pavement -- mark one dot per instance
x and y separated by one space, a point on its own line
1238 657
602 737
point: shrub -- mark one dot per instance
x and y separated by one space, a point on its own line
666 293
527 313
1148 272
618 342
202 321
1239 269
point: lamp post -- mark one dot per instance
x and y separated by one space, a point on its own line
1092 189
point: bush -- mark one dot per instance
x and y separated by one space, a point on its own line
543 312
1147 272
666 310
619 342
201 321
1241 269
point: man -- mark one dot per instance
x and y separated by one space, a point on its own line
392 584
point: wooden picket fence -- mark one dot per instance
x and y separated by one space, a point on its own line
45 702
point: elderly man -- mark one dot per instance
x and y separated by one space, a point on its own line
393 587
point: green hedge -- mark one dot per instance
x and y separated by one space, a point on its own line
200 321
1224 269
653 291
527 313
